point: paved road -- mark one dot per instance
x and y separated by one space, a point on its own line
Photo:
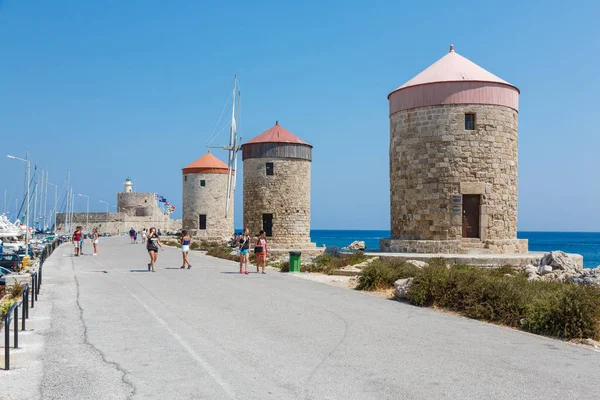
119 331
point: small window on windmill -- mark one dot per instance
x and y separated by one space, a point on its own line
202 183
202 222
269 168
185 178
469 122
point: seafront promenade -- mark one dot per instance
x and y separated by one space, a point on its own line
106 328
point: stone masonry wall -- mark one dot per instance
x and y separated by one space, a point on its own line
137 204
118 223
208 200
433 159
285 194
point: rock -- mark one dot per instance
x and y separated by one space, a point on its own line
545 269
591 342
530 269
417 263
356 245
401 288
562 261
588 277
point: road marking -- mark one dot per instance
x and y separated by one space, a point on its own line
211 371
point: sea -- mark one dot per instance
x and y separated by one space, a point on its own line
585 243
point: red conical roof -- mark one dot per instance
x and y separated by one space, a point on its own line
277 134
206 164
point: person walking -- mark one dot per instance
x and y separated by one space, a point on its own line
244 244
76 239
186 240
260 249
144 234
132 235
95 237
152 247
135 235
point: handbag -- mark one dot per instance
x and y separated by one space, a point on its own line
257 248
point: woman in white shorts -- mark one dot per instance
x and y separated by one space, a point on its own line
186 240
95 237
144 235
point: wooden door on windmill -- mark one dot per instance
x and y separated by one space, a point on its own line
268 224
471 205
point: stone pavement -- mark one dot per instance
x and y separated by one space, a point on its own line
105 328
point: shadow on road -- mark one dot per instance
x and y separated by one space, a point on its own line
138 270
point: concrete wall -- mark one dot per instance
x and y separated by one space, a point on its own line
286 195
434 160
207 200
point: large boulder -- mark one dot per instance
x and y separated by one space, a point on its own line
401 287
356 245
559 260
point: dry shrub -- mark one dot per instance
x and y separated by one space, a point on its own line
381 274
15 291
557 309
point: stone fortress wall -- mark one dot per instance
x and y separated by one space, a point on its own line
207 200
434 161
137 204
117 223
285 194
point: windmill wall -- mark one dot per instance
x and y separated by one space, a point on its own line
285 194
434 161
208 200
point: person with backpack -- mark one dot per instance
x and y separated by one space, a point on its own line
260 249
152 247
132 235
244 246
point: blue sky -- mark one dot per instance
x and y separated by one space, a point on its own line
116 88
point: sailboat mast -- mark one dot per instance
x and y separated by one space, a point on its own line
235 142
67 201
232 133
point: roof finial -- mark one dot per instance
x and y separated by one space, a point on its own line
276 122
451 48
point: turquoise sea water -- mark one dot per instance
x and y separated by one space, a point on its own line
585 243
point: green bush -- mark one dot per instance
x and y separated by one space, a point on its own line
381 274
549 308
5 306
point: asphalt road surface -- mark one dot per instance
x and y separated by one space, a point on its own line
118 331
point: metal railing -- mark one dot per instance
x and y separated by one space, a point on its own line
33 289
8 318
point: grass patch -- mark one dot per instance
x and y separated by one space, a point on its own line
329 262
175 243
283 266
222 252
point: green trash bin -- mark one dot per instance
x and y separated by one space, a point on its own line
295 261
